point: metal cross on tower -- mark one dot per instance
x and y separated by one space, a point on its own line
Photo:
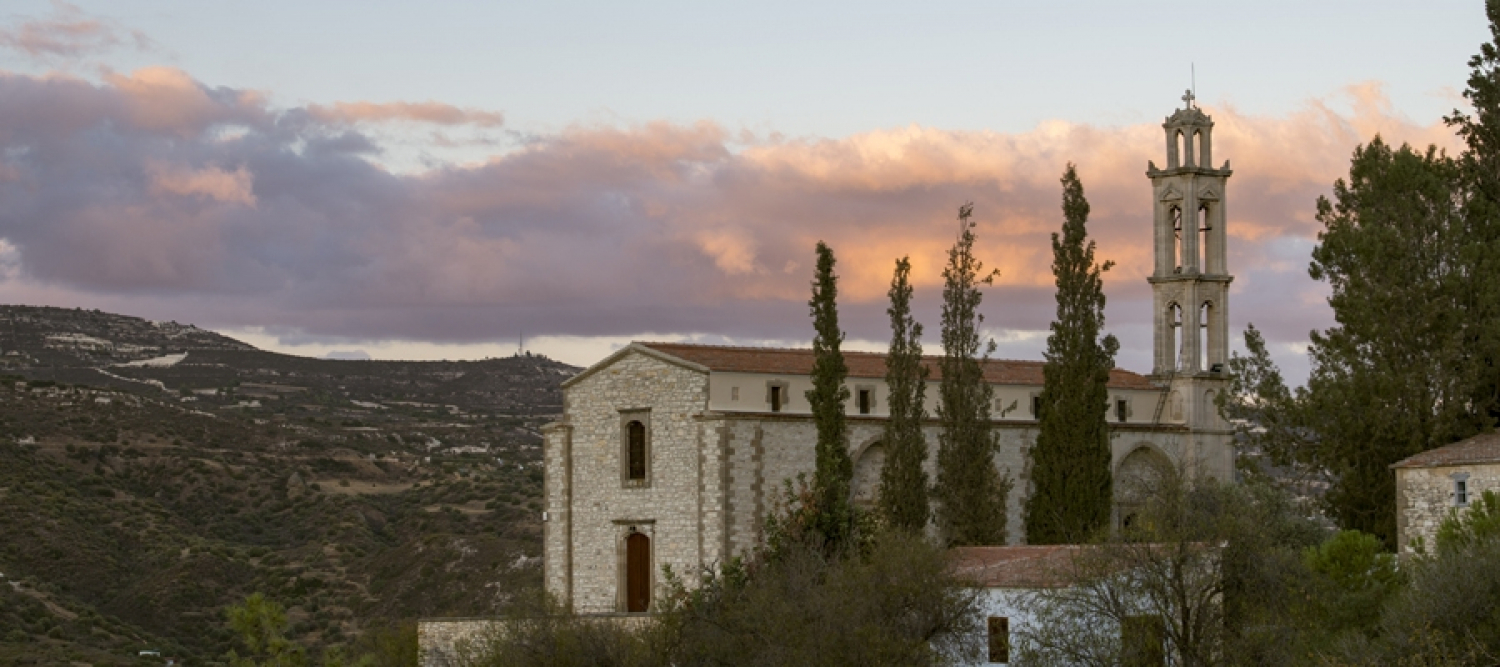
1188 98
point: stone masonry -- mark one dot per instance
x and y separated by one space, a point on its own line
1427 485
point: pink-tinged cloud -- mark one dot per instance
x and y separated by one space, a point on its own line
435 113
68 33
129 190
230 187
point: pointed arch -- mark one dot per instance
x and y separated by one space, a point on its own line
864 487
1136 477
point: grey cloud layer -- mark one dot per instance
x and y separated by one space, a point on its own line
156 189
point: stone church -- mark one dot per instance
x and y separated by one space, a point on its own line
671 454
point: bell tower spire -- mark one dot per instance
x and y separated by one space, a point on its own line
1190 284
1191 280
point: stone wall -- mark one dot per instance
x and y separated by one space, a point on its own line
1425 495
592 507
438 641
715 475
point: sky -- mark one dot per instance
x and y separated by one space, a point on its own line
443 179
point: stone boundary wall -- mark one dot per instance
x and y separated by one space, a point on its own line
439 640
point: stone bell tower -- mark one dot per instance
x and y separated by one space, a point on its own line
1191 281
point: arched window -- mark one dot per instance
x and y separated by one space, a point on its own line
1180 148
1177 254
1204 227
1174 337
1205 317
636 450
637 573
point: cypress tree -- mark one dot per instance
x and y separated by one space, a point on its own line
970 490
834 470
1071 489
903 482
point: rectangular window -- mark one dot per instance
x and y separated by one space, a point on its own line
864 401
1143 642
1122 410
1461 492
999 639
775 398
734 393
1036 407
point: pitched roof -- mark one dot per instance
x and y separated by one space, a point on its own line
861 364
1482 448
1032 566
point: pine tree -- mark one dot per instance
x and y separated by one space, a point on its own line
1071 491
834 470
970 490
903 482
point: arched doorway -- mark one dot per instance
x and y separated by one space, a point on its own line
1138 476
637 572
864 488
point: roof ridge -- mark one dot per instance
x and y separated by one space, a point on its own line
808 350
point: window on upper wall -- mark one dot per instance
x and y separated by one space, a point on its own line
1036 406
734 393
636 451
999 639
1122 410
1461 489
864 401
776 398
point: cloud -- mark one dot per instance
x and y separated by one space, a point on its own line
156 194
231 187
435 113
69 34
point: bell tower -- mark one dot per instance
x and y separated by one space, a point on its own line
1190 284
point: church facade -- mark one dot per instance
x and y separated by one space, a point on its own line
671 455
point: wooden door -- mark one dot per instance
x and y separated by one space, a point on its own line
637 573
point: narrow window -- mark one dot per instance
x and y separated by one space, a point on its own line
1204 314
1122 410
999 639
1176 344
1143 642
734 393
1177 254
1036 406
637 447
1461 491
864 401
775 398
1204 227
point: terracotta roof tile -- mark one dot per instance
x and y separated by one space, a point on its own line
861 364
1041 566
1482 448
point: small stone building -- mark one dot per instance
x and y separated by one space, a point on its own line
1438 481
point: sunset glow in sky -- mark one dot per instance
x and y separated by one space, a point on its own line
435 180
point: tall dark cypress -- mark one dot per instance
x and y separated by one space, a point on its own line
1071 485
903 482
970 491
827 397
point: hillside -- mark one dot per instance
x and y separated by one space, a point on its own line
141 498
